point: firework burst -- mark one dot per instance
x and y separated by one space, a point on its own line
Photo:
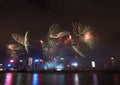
54 31
84 33
53 40
13 49
22 40
56 37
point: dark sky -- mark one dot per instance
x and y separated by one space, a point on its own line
36 16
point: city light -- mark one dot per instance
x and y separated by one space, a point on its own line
61 58
41 60
113 61
59 67
9 65
68 65
36 60
112 58
75 64
21 60
11 61
1 69
30 61
93 63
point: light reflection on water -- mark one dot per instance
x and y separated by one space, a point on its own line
8 79
69 79
35 79
59 79
19 77
116 79
95 79
76 79
28 79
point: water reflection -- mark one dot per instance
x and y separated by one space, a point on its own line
76 79
95 79
69 79
35 79
28 79
59 79
8 79
54 78
116 79
19 77
40 79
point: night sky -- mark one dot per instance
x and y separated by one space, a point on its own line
36 16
